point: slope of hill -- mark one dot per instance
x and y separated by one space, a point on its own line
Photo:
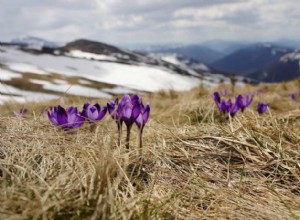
93 69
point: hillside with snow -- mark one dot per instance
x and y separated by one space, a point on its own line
92 69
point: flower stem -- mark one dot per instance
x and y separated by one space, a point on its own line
141 142
119 133
128 137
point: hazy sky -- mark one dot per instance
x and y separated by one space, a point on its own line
150 21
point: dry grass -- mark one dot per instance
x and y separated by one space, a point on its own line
195 164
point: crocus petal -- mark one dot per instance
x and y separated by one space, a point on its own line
234 110
102 113
62 116
216 97
146 113
92 113
52 117
139 121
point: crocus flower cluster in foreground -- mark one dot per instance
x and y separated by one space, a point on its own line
129 110
227 106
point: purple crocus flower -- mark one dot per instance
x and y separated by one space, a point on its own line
244 102
262 107
129 109
112 107
142 119
21 113
93 113
293 95
67 119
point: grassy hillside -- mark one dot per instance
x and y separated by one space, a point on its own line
196 164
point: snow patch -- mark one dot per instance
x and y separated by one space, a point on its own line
26 68
89 56
76 90
8 75
18 95
294 56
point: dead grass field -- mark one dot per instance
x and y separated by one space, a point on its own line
195 163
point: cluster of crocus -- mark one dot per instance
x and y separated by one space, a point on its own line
241 103
129 110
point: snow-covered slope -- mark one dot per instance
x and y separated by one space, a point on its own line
99 73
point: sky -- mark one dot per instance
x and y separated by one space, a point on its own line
125 22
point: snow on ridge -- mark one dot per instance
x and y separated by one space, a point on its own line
293 56
89 56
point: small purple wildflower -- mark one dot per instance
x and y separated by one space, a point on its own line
293 96
262 107
67 119
21 113
141 121
224 92
93 113
226 106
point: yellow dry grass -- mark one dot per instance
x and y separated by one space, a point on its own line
195 163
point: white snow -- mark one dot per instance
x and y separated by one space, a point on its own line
87 55
38 81
8 75
72 89
76 90
19 95
291 56
118 90
171 59
26 68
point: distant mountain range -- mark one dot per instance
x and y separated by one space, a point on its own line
258 61
196 52
262 62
